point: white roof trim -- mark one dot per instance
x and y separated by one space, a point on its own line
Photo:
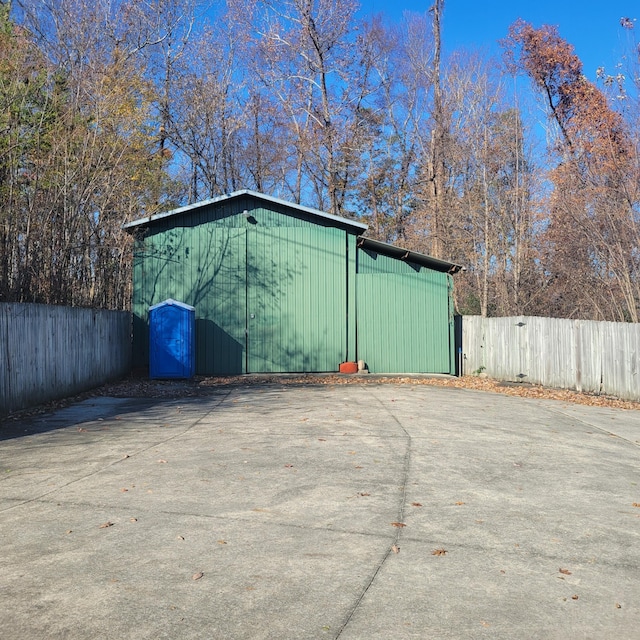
255 194
173 303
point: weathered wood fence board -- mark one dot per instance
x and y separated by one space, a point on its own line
597 357
49 352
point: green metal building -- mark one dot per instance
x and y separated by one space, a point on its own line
279 287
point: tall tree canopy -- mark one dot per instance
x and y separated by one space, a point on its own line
115 109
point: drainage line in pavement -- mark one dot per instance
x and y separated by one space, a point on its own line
398 533
95 473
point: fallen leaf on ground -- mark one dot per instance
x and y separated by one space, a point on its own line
399 525
204 386
439 552
416 504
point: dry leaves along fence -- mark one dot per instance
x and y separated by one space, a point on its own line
595 357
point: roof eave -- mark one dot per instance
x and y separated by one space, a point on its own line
406 255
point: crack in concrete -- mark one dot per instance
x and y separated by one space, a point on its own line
398 531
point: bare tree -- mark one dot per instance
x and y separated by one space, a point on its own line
302 56
594 228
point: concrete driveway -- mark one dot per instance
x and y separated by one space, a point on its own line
351 512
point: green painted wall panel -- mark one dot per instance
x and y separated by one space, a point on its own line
218 274
294 278
296 299
205 267
230 214
403 322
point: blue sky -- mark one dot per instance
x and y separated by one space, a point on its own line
593 27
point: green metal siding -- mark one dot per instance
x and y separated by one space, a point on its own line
203 266
404 322
296 299
230 214
219 296
278 290
270 291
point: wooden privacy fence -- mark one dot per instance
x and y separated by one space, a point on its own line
51 352
597 357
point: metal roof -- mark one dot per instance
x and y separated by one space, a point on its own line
364 243
357 226
409 256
